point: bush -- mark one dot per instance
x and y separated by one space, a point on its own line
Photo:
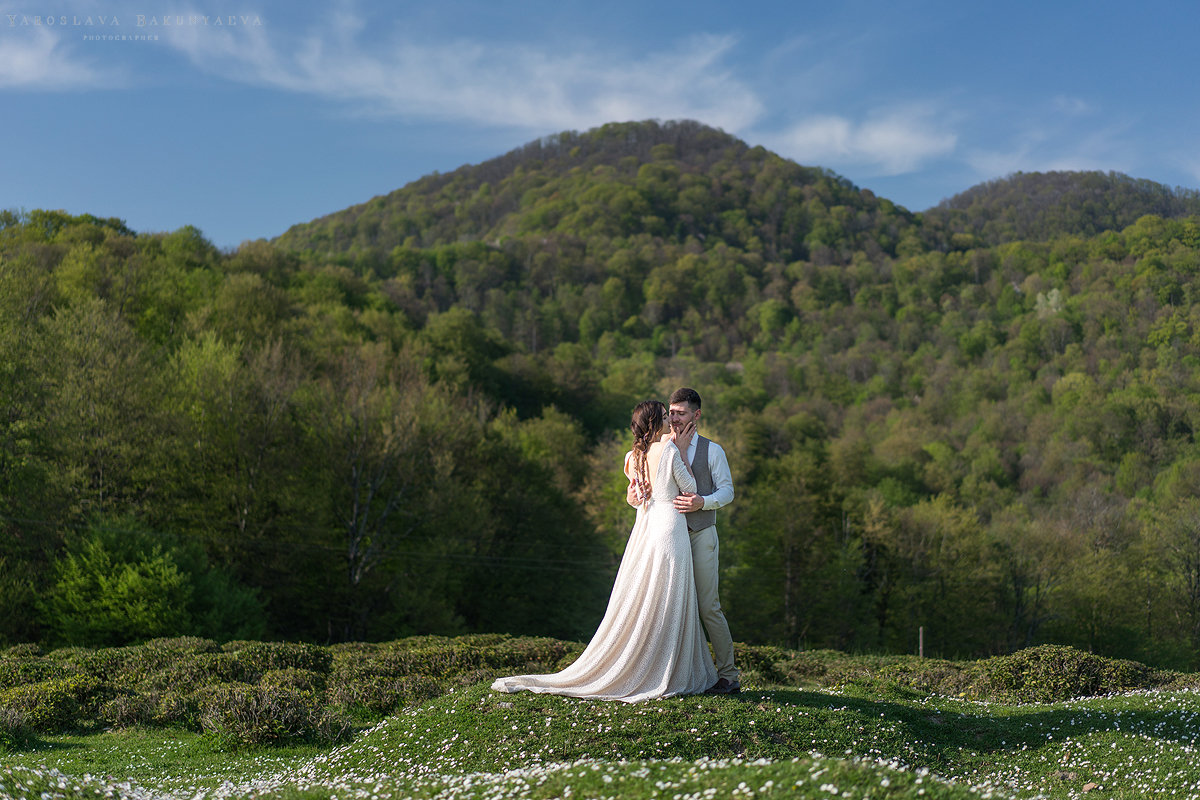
56 705
381 695
16 671
440 661
528 654
237 715
170 707
290 677
118 582
127 709
106 664
15 731
765 664
256 658
24 650
190 674
1052 673
829 667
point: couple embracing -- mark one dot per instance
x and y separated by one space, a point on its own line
650 643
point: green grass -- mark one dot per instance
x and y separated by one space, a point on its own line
873 735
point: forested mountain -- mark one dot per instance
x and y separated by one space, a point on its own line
1039 206
674 181
409 416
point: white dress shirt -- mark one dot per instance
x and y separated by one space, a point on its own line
718 465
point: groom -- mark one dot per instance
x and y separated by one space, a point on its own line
714 489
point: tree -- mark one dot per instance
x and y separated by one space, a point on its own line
119 583
106 430
388 436
797 580
1035 559
1173 537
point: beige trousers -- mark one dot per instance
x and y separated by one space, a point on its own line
705 553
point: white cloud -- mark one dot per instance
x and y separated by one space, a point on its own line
996 164
891 143
1190 165
519 85
1071 105
1060 145
36 58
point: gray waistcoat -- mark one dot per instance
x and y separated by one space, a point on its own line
699 520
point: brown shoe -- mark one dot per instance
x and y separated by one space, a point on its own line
724 686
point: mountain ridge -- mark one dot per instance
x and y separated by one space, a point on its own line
1038 206
673 180
512 194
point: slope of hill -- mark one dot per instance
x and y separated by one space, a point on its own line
815 724
1039 206
676 180
994 443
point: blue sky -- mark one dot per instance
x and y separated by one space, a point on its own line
244 117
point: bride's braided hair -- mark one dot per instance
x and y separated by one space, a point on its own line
647 425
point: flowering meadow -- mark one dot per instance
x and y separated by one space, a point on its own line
857 738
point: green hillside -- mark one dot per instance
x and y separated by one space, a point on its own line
408 417
415 718
1041 206
612 186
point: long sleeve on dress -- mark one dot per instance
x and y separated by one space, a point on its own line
687 483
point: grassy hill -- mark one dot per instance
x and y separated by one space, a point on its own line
811 725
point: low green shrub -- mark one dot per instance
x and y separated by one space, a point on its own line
171 707
528 654
15 730
238 715
126 709
1052 673
23 650
380 695
482 640
762 664
105 664
829 668
256 658
304 679
158 653
929 676
19 670
423 642
58 704
190 673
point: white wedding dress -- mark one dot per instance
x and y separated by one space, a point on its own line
650 643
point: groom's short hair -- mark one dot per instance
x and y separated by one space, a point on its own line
685 395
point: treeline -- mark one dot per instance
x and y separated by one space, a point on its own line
1043 205
355 438
241 445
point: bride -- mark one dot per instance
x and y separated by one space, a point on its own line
650 643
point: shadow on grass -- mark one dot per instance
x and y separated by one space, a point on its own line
34 744
933 735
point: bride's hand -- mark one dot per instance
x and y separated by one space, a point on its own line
683 439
